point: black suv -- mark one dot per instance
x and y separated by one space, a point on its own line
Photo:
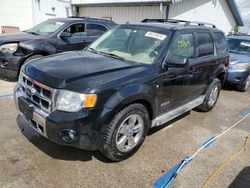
49 37
132 78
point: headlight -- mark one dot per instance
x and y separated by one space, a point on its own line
240 66
72 101
11 47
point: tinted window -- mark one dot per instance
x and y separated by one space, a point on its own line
205 45
95 29
183 45
220 43
76 30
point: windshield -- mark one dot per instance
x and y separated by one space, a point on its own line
239 45
130 43
46 28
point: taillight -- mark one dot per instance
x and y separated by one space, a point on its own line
228 60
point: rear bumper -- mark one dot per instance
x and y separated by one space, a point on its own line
56 125
237 77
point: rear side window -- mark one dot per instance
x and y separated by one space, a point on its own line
205 45
220 43
95 29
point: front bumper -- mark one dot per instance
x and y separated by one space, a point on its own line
55 125
237 77
10 65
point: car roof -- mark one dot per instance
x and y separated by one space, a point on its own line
242 37
173 26
75 19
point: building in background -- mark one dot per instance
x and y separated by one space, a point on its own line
23 14
223 13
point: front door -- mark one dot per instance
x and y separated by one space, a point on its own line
73 38
175 81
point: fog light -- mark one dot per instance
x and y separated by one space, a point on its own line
4 63
68 135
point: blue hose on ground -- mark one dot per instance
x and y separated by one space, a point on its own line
167 179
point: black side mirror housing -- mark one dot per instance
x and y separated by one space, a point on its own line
176 61
65 35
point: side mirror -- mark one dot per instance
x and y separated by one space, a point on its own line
65 35
176 61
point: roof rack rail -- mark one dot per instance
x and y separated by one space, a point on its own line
185 22
95 19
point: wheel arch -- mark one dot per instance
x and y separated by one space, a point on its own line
121 100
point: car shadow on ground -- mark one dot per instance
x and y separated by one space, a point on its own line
229 87
58 151
242 180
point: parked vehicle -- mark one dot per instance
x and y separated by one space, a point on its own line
239 68
132 78
49 37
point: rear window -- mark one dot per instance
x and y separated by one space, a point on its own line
220 43
205 45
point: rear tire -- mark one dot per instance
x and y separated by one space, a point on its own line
126 132
211 97
244 87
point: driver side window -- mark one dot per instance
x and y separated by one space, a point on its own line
76 30
183 46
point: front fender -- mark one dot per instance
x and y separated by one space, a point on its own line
38 46
128 95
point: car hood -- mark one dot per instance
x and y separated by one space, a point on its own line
239 58
78 71
17 37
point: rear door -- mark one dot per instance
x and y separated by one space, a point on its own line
76 39
205 59
95 30
175 81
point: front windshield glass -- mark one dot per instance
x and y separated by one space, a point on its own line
138 44
239 46
46 28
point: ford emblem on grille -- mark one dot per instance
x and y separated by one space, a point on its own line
31 91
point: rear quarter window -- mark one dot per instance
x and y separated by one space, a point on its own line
220 43
205 45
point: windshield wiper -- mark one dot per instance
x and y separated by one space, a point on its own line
112 55
237 52
92 50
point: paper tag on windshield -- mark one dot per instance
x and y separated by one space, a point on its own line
155 35
59 23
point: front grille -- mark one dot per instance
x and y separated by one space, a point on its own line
38 93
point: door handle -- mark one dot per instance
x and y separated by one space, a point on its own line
191 70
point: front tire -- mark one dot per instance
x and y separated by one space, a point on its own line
126 132
244 87
211 97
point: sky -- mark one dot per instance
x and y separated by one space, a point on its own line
244 6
